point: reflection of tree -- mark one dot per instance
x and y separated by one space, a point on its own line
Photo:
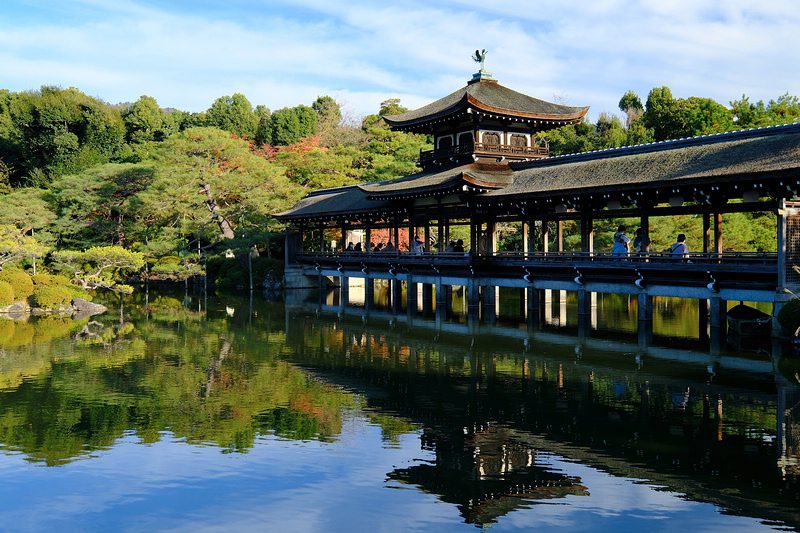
203 380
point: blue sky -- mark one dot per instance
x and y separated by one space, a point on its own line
361 52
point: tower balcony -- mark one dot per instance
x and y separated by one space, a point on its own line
516 153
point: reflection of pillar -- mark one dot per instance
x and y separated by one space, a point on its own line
344 291
645 400
411 297
441 300
427 298
718 417
489 301
369 293
584 313
702 310
473 297
717 318
397 297
534 302
645 320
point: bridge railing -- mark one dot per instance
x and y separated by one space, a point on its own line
731 259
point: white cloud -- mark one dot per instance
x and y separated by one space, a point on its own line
286 53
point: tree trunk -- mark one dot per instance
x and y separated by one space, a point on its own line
211 203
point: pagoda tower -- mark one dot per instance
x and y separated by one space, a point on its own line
484 122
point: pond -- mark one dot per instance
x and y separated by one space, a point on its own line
194 412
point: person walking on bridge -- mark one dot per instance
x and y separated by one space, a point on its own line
621 241
680 250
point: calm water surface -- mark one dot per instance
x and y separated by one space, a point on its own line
230 413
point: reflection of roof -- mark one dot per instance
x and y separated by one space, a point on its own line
749 153
489 97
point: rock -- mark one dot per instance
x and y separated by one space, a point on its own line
84 309
17 310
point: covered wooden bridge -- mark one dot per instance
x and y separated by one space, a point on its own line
754 170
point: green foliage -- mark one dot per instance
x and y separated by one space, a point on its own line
20 282
55 131
391 107
14 246
100 267
789 315
49 279
51 296
233 114
6 293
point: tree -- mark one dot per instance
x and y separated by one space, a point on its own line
207 187
144 121
631 105
391 107
234 114
99 266
14 246
662 115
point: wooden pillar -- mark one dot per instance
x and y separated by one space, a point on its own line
718 233
587 233
321 241
525 237
706 233
560 236
427 237
491 237
368 237
645 225
545 237
782 249
344 237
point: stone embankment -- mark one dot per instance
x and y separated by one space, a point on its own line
77 310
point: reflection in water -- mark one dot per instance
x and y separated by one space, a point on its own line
494 421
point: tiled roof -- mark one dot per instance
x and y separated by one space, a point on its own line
707 158
491 97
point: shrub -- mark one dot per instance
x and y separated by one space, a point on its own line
50 279
51 296
789 315
19 281
6 294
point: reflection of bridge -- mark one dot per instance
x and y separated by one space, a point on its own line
490 404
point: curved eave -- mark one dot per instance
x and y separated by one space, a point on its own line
510 114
